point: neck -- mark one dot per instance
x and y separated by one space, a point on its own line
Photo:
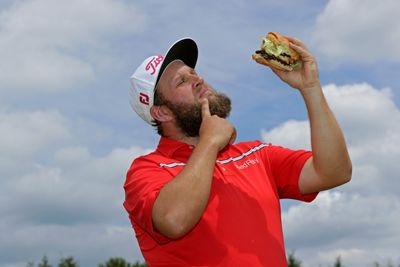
188 140
176 134
185 139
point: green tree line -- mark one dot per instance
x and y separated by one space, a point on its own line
71 262
294 262
120 262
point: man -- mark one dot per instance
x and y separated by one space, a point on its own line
200 199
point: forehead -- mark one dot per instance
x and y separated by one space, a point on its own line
173 68
171 71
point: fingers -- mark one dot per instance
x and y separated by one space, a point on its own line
304 54
296 41
299 47
205 109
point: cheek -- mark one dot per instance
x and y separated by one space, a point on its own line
184 96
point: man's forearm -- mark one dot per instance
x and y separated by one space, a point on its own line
181 202
330 156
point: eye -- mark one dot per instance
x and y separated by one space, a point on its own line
181 81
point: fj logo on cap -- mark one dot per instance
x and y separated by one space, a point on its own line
144 99
153 63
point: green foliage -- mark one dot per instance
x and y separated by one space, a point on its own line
292 261
44 262
338 262
120 262
68 262
139 264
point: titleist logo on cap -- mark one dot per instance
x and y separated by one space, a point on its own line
153 63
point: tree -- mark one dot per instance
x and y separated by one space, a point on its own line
120 262
44 262
115 262
292 261
338 262
139 264
390 264
68 262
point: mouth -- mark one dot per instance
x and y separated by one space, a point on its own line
204 92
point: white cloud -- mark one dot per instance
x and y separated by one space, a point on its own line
359 30
72 189
89 244
25 133
358 228
71 206
59 197
368 208
44 44
292 133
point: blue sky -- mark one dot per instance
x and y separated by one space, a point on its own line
68 134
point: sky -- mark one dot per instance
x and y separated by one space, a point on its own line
68 134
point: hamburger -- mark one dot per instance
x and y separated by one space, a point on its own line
276 53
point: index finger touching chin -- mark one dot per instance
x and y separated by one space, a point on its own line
205 109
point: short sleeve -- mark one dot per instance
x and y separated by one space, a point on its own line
286 166
143 183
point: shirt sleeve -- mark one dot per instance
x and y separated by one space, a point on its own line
143 183
286 166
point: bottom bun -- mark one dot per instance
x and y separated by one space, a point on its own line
270 63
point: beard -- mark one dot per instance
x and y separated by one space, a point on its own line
188 116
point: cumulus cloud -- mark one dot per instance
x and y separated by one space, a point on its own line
26 133
368 208
359 31
292 133
70 190
58 197
44 44
89 244
361 229
71 206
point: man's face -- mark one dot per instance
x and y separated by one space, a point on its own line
181 89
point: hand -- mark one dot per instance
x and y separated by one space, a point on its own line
215 129
304 77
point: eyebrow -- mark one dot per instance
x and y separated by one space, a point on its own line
174 80
179 75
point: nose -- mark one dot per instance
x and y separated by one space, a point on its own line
198 80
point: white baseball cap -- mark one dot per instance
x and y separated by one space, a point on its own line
147 75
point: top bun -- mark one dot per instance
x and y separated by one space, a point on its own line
278 38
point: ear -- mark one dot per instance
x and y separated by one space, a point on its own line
161 113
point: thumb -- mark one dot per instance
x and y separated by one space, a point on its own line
205 109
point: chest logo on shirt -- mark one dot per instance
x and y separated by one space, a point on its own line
247 163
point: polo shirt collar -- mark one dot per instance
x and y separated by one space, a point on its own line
168 146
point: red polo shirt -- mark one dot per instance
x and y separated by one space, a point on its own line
241 225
